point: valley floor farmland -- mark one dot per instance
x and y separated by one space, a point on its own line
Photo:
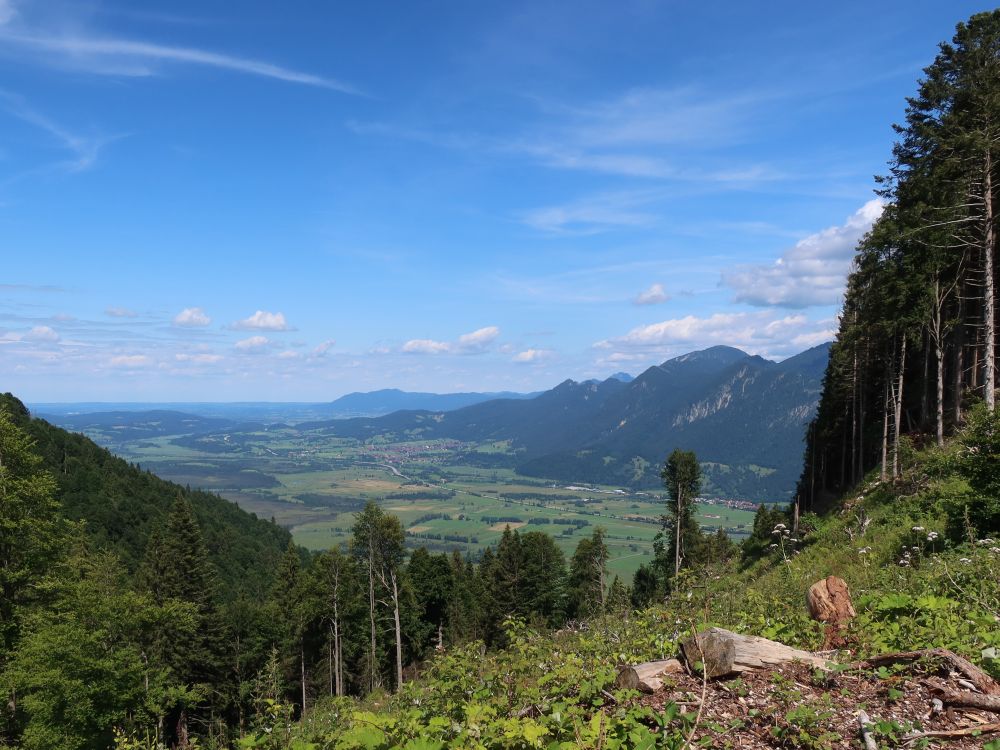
449 495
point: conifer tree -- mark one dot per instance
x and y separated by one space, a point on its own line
682 477
588 589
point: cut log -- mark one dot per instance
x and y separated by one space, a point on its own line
724 653
961 699
646 677
966 668
829 601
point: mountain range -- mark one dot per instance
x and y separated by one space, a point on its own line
744 416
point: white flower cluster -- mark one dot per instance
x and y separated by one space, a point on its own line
864 550
932 535
985 542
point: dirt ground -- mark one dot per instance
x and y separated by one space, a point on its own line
794 706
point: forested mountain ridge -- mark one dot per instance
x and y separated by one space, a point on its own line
120 505
618 432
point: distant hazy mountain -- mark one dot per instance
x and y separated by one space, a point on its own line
388 400
743 415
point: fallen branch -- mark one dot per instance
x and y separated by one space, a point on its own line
962 699
866 731
945 734
970 671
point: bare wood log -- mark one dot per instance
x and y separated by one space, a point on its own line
829 601
646 677
723 653
964 699
950 733
866 731
970 671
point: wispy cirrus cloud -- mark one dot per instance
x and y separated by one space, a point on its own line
596 214
120 312
83 150
103 55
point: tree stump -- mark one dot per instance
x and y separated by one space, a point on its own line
646 677
723 652
829 602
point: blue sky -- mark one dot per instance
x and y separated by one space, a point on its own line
290 201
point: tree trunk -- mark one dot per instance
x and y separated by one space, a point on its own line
885 432
677 534
302 667
897 469
399 632
373 666
646 677
329 659
723 652
989 302
338 654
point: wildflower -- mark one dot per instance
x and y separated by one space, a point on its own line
774 546
965 561
904 563
995 550
864 550
780 527
917 528
984 542
931 536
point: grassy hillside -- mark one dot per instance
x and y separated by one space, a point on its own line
916 579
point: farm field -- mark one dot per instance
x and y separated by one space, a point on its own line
448 495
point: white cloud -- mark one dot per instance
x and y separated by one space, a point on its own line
202 358
130 360
103 55
252 344
760 332
533 355
41 334
655 295
263 321
478 339
813 272
289 354
120 312
468 343
426 346
192 317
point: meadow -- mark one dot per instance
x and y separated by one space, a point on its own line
449 495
